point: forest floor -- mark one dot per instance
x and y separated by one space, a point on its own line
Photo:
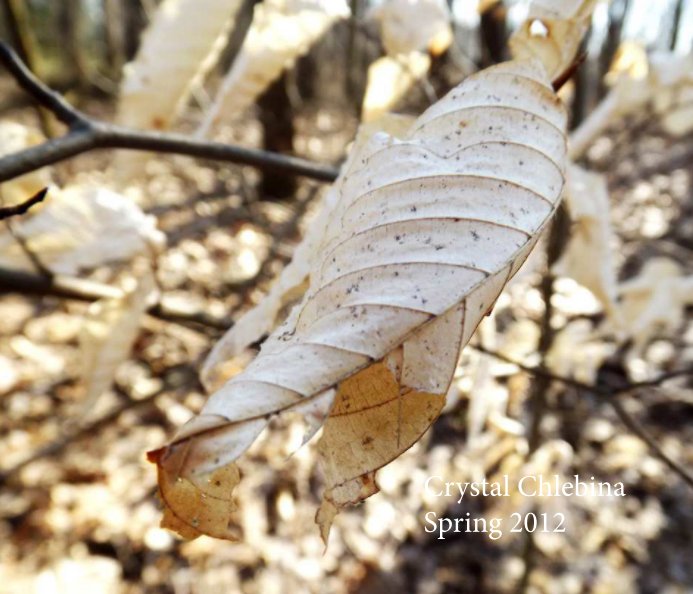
82 515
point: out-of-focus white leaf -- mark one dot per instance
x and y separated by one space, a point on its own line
15 137
281 32
588 256
427 231
293 280
411 31
408 26
666 84
178 48
81 227
673 91
560 10
110 329
577 351
552 33
389 80
654 301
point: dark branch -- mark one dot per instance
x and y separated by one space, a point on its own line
610 393
27 283
175 381
43 95
568 73
85 134
19 209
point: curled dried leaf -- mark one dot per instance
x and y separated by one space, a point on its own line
553 33
281 32
588 256
82 227
458 202
414 26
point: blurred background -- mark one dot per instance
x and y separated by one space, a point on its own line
78 508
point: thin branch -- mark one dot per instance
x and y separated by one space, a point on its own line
85 134
610 392
89 430
643 434
28 251
27 283
538 397
569 72
32 256
19 209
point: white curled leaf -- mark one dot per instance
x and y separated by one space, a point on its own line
588 257
389 79
81 227
426 233
411 31
414 26
109 332
663 81
560 10
553 33
654 301
15 137
178 48
281 32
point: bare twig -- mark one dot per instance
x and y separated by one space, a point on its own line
19 209
85 134
610 393
642 433
27 283
540 385
569 72
19 238
89 430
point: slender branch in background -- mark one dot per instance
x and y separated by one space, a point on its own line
27 283
178 383
569 72
85 134
19 209
541 384
29 252
610 393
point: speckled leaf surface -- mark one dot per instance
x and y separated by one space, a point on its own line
426 232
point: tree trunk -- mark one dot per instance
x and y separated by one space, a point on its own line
74 63
277 122
676 24
494 34
115 36
134 20
617 16
19 29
